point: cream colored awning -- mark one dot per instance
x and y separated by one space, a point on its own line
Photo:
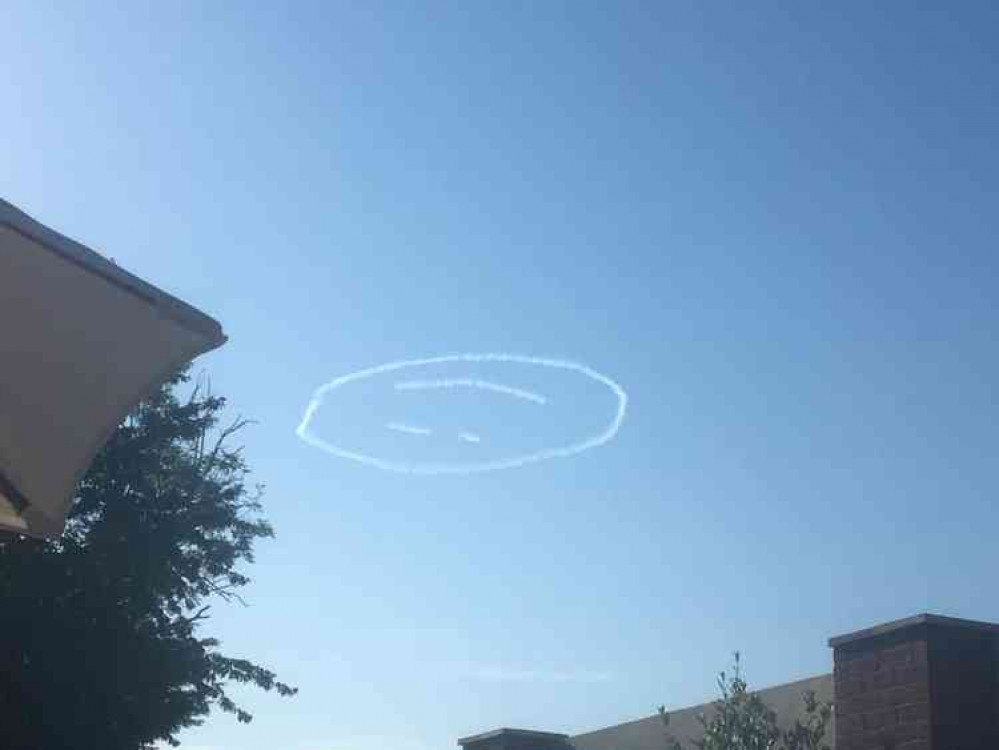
81 342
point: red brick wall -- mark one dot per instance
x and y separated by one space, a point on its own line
883 694
964 684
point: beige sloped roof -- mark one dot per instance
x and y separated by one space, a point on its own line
81 342
650 734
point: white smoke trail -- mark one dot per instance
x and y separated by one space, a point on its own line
593 441
408 429
482 385
470 437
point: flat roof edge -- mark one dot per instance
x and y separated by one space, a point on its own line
912 622
511 732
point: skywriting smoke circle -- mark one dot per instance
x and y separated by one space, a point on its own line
601 437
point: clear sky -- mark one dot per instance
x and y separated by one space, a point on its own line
775 225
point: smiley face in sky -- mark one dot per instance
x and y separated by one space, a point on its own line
464 413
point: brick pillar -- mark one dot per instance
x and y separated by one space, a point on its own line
925 683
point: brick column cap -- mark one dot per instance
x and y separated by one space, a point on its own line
523 734
913 622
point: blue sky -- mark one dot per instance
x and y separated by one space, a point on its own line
774 226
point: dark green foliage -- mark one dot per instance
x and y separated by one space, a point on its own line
100 631
740 720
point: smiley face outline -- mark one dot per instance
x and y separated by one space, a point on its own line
467 467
